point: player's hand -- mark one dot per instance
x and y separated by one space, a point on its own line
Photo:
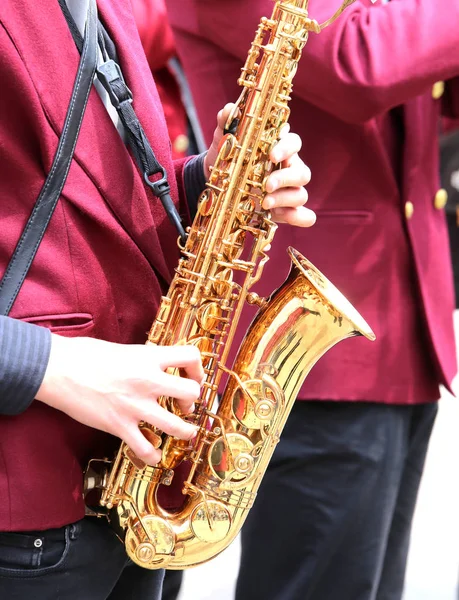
286 195
112 387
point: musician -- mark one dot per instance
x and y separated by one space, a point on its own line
333 515
74 373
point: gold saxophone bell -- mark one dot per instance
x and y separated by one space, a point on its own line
303 319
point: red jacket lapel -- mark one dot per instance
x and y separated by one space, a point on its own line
105 160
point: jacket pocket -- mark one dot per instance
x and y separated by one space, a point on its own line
68 324
33 553
347 217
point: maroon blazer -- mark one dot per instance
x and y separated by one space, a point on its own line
363 104
108 253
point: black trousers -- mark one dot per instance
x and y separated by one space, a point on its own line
83 561
333 517
171 585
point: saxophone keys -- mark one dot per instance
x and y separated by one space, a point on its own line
209 316
254 299
244 463
233 246
227 147
264 410
232 121
167 477
223 282
230 458
154 439
206 202
204 345
256 403
134 459
155 333
145 552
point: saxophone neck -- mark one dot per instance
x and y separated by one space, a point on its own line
332 19
304 5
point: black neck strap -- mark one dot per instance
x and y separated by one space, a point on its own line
43 210
110 76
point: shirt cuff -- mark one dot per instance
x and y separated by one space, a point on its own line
195 181
24 356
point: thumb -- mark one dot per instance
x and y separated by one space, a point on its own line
211 155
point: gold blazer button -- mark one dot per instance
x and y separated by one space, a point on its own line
181 143
409 210
441 198
438 90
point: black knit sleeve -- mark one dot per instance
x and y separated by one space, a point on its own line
24 355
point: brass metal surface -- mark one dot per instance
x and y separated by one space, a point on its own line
223 258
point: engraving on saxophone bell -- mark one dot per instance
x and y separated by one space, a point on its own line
149 540
211 521
221 260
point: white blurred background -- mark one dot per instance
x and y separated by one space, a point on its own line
433 565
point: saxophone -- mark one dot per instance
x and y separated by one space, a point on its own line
223 257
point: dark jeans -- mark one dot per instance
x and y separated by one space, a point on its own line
171 585
83 561
333 517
